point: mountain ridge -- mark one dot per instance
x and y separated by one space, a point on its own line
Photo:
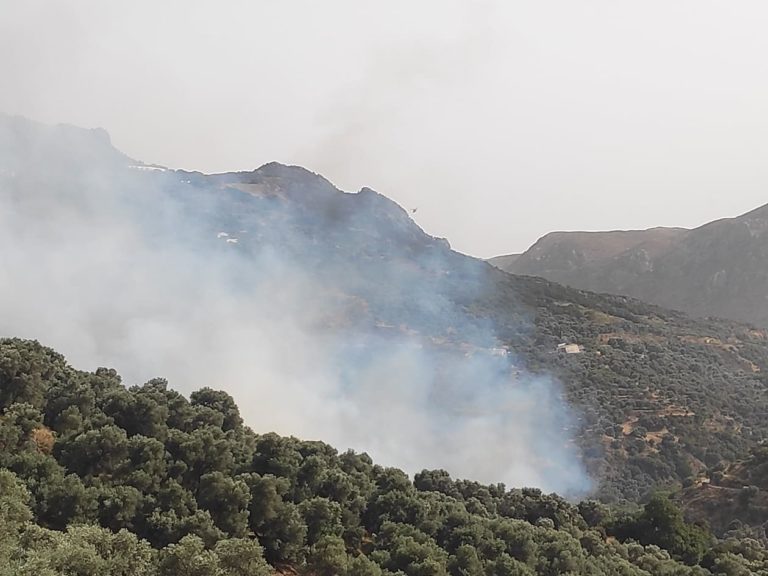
717 269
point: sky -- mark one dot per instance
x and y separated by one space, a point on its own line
499 121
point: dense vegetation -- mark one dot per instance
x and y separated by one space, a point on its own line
97 479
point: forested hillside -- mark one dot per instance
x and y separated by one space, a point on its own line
663 398
98 479
228 279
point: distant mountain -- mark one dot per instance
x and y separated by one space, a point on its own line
505 261
102 248
560 254
27 146
719 269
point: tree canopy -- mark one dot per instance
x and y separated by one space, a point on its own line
97 478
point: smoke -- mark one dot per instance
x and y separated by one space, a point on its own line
326 315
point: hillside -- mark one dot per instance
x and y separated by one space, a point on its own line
718 269
97 478
733 499
560 256
273 284
504 261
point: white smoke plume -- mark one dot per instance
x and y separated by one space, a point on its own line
135 269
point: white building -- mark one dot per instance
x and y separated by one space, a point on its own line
570 348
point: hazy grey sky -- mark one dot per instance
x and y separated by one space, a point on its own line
500 120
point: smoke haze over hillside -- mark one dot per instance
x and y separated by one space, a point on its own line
131 269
